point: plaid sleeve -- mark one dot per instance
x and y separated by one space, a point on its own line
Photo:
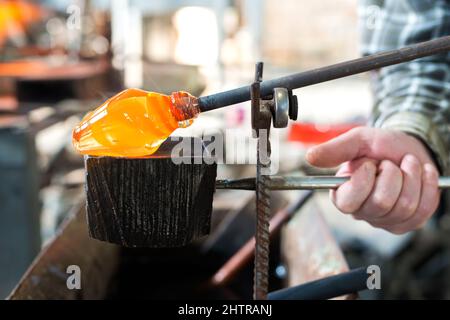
413 97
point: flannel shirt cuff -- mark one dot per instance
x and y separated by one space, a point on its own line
422 127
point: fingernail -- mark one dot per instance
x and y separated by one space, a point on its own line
430 172
310 154
429 168
368 167
411 159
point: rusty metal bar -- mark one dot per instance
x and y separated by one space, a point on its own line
237 184
243 256
262 122
300 183
328 73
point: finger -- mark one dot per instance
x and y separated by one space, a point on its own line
386 191
361 142
409 198
429 201
350 196
344 148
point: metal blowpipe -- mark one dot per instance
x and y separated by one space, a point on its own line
332 72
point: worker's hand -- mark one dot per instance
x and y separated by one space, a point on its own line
394 181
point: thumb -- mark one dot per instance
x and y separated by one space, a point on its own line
377 144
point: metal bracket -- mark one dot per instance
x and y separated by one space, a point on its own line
261 115
282 106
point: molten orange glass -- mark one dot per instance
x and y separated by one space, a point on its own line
133 123
16 16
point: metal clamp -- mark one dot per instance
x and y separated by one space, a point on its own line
261 114
282 106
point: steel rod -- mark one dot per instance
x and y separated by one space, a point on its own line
300 183
326 288
332 72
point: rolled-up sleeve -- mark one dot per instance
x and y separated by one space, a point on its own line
412 97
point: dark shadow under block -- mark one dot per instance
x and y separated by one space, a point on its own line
149 202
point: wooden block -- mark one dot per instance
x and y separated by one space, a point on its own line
149 202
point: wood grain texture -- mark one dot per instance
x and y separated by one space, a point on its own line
148 202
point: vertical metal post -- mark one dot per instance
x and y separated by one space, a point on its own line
261 119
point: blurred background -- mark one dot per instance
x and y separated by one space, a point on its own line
59 59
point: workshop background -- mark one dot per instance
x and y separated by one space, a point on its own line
60 59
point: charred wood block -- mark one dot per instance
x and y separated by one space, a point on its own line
149 202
